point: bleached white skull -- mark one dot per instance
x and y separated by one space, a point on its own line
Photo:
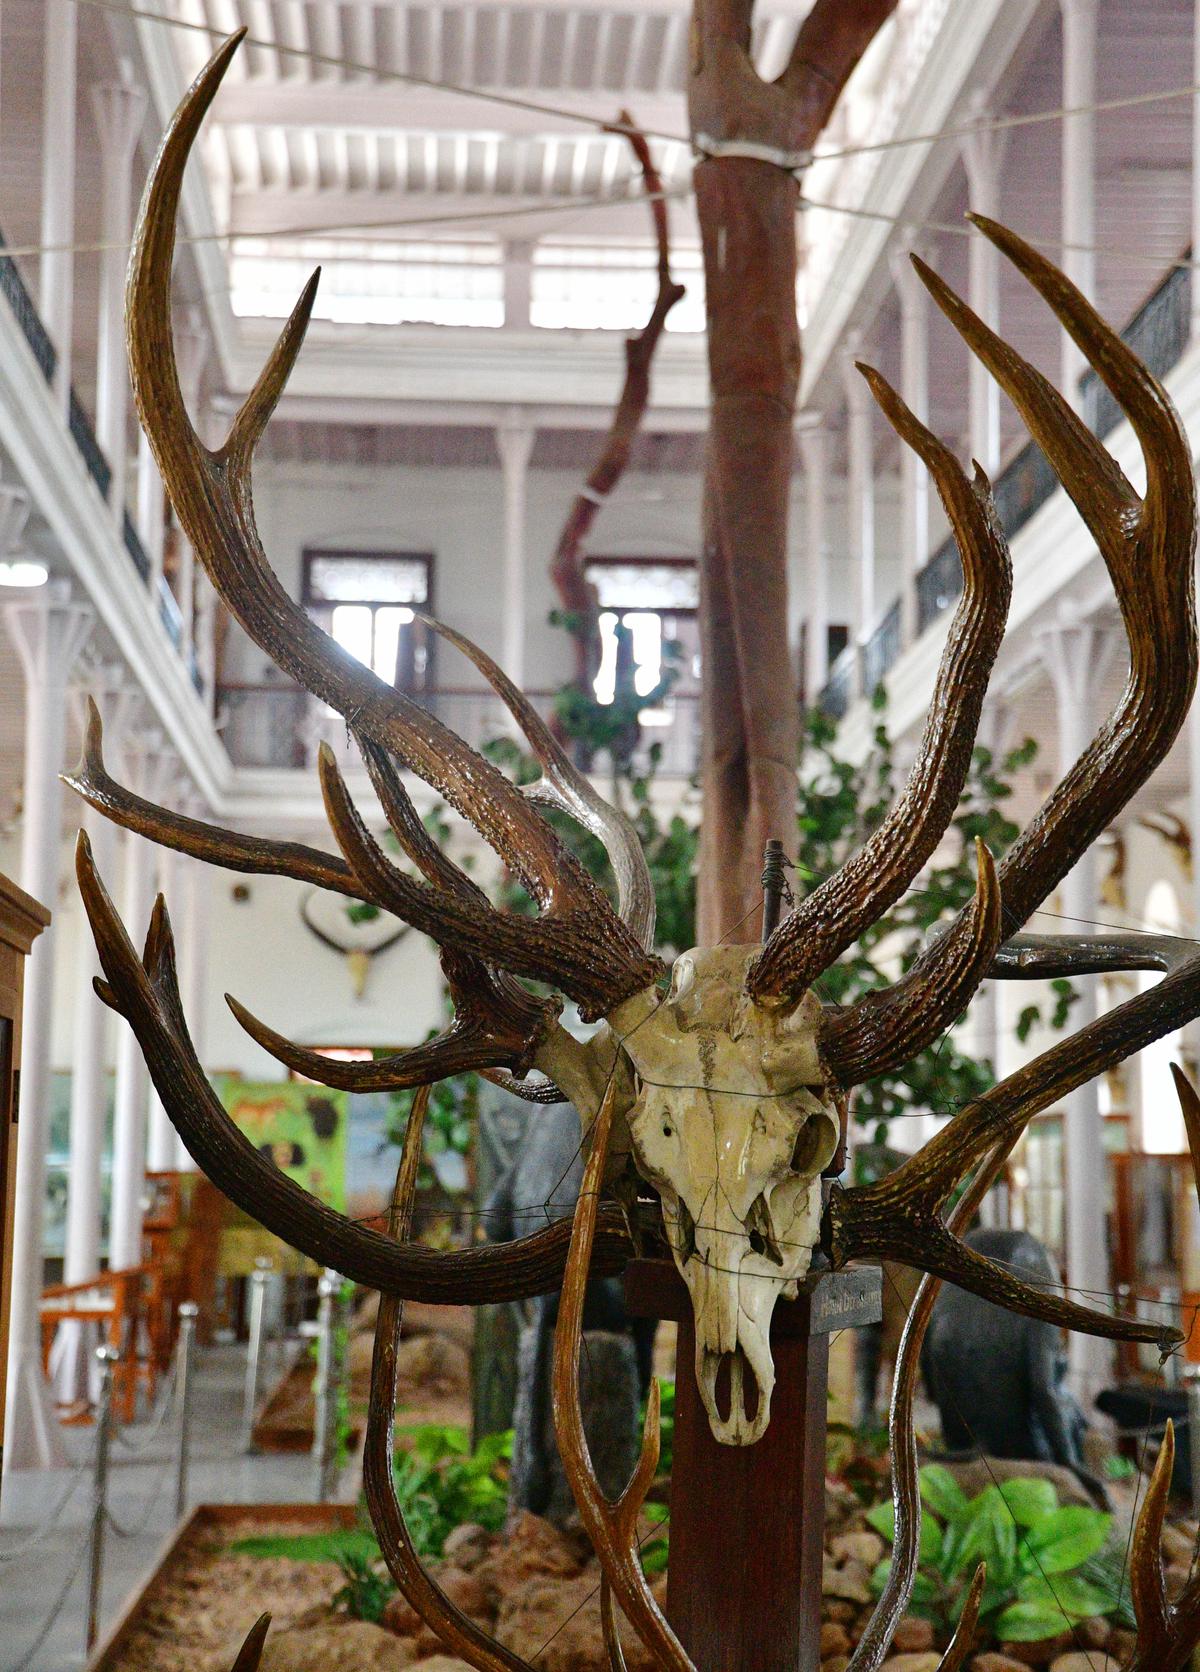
733 1124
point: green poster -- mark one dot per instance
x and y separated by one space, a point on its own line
300 1127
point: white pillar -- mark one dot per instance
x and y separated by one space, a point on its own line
514 443
860 494
56 286
814 450
983 156
142 773
518 282
150 509
70 1363
914 386
49 631
1196 174
119 108
1077 658
1078 168
160 1145
192 936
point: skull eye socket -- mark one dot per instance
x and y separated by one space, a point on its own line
808 1141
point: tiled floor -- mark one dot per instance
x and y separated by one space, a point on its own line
142 1500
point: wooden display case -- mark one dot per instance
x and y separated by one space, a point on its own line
22 920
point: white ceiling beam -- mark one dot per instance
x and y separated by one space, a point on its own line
395 107
265 213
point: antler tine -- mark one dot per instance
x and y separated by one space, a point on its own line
832 917
563 786
899 1217
250 1653
963 1641
405 824
1043 957
884 1030
612 1528
148 999
216 846
572 951
1147 546
448 1623
1167 1632
211 493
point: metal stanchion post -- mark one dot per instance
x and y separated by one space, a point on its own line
325 1393
187 1341
258 1295
108 1357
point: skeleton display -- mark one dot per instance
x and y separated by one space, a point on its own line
717 1088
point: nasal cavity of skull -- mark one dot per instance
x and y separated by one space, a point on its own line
735 1380
808 1144
761 1234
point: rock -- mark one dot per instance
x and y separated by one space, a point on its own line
929 1662
835 1640
867 1548
400 1617
554 1623
851 1581
1043 1652
433 1362
838 1663
1122 1644
468 1593
337 1646
467 1546
993 1661
1080 1660
529 1549
441 1663
1094 1633
836 1609
913 1636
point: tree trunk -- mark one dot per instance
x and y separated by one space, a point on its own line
747 209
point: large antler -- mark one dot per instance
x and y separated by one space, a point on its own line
832 917
600 960
900 1216
146 993
612 1528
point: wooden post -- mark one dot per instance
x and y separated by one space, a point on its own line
748 1522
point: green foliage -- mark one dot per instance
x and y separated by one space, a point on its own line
449 1120
441 1483
331 1546
368 1586
1047 1567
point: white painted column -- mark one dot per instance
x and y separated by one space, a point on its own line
71 1359
518 283
119 109
983 157
914 386
1079 19
56 282
814 451
860 494
192 940
143 771
1077 658
514 442
1196 175
150 513
48 630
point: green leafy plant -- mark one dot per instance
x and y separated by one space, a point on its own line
1043 1573
368 1586
441 1483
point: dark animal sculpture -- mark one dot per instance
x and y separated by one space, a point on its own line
996 1377
540 1186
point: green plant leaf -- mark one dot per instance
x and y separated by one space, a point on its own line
1068 1537
1029 1500
1027 1622
942 1493
1074 1597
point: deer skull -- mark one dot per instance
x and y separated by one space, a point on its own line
732 1123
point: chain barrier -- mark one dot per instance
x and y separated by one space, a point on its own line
138 1448
16 1553
64 1591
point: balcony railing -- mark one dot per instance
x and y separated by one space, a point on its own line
282 726
1158 333
12 286
134 546
80 426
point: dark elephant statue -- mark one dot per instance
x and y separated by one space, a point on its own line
542 1185
997 1378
